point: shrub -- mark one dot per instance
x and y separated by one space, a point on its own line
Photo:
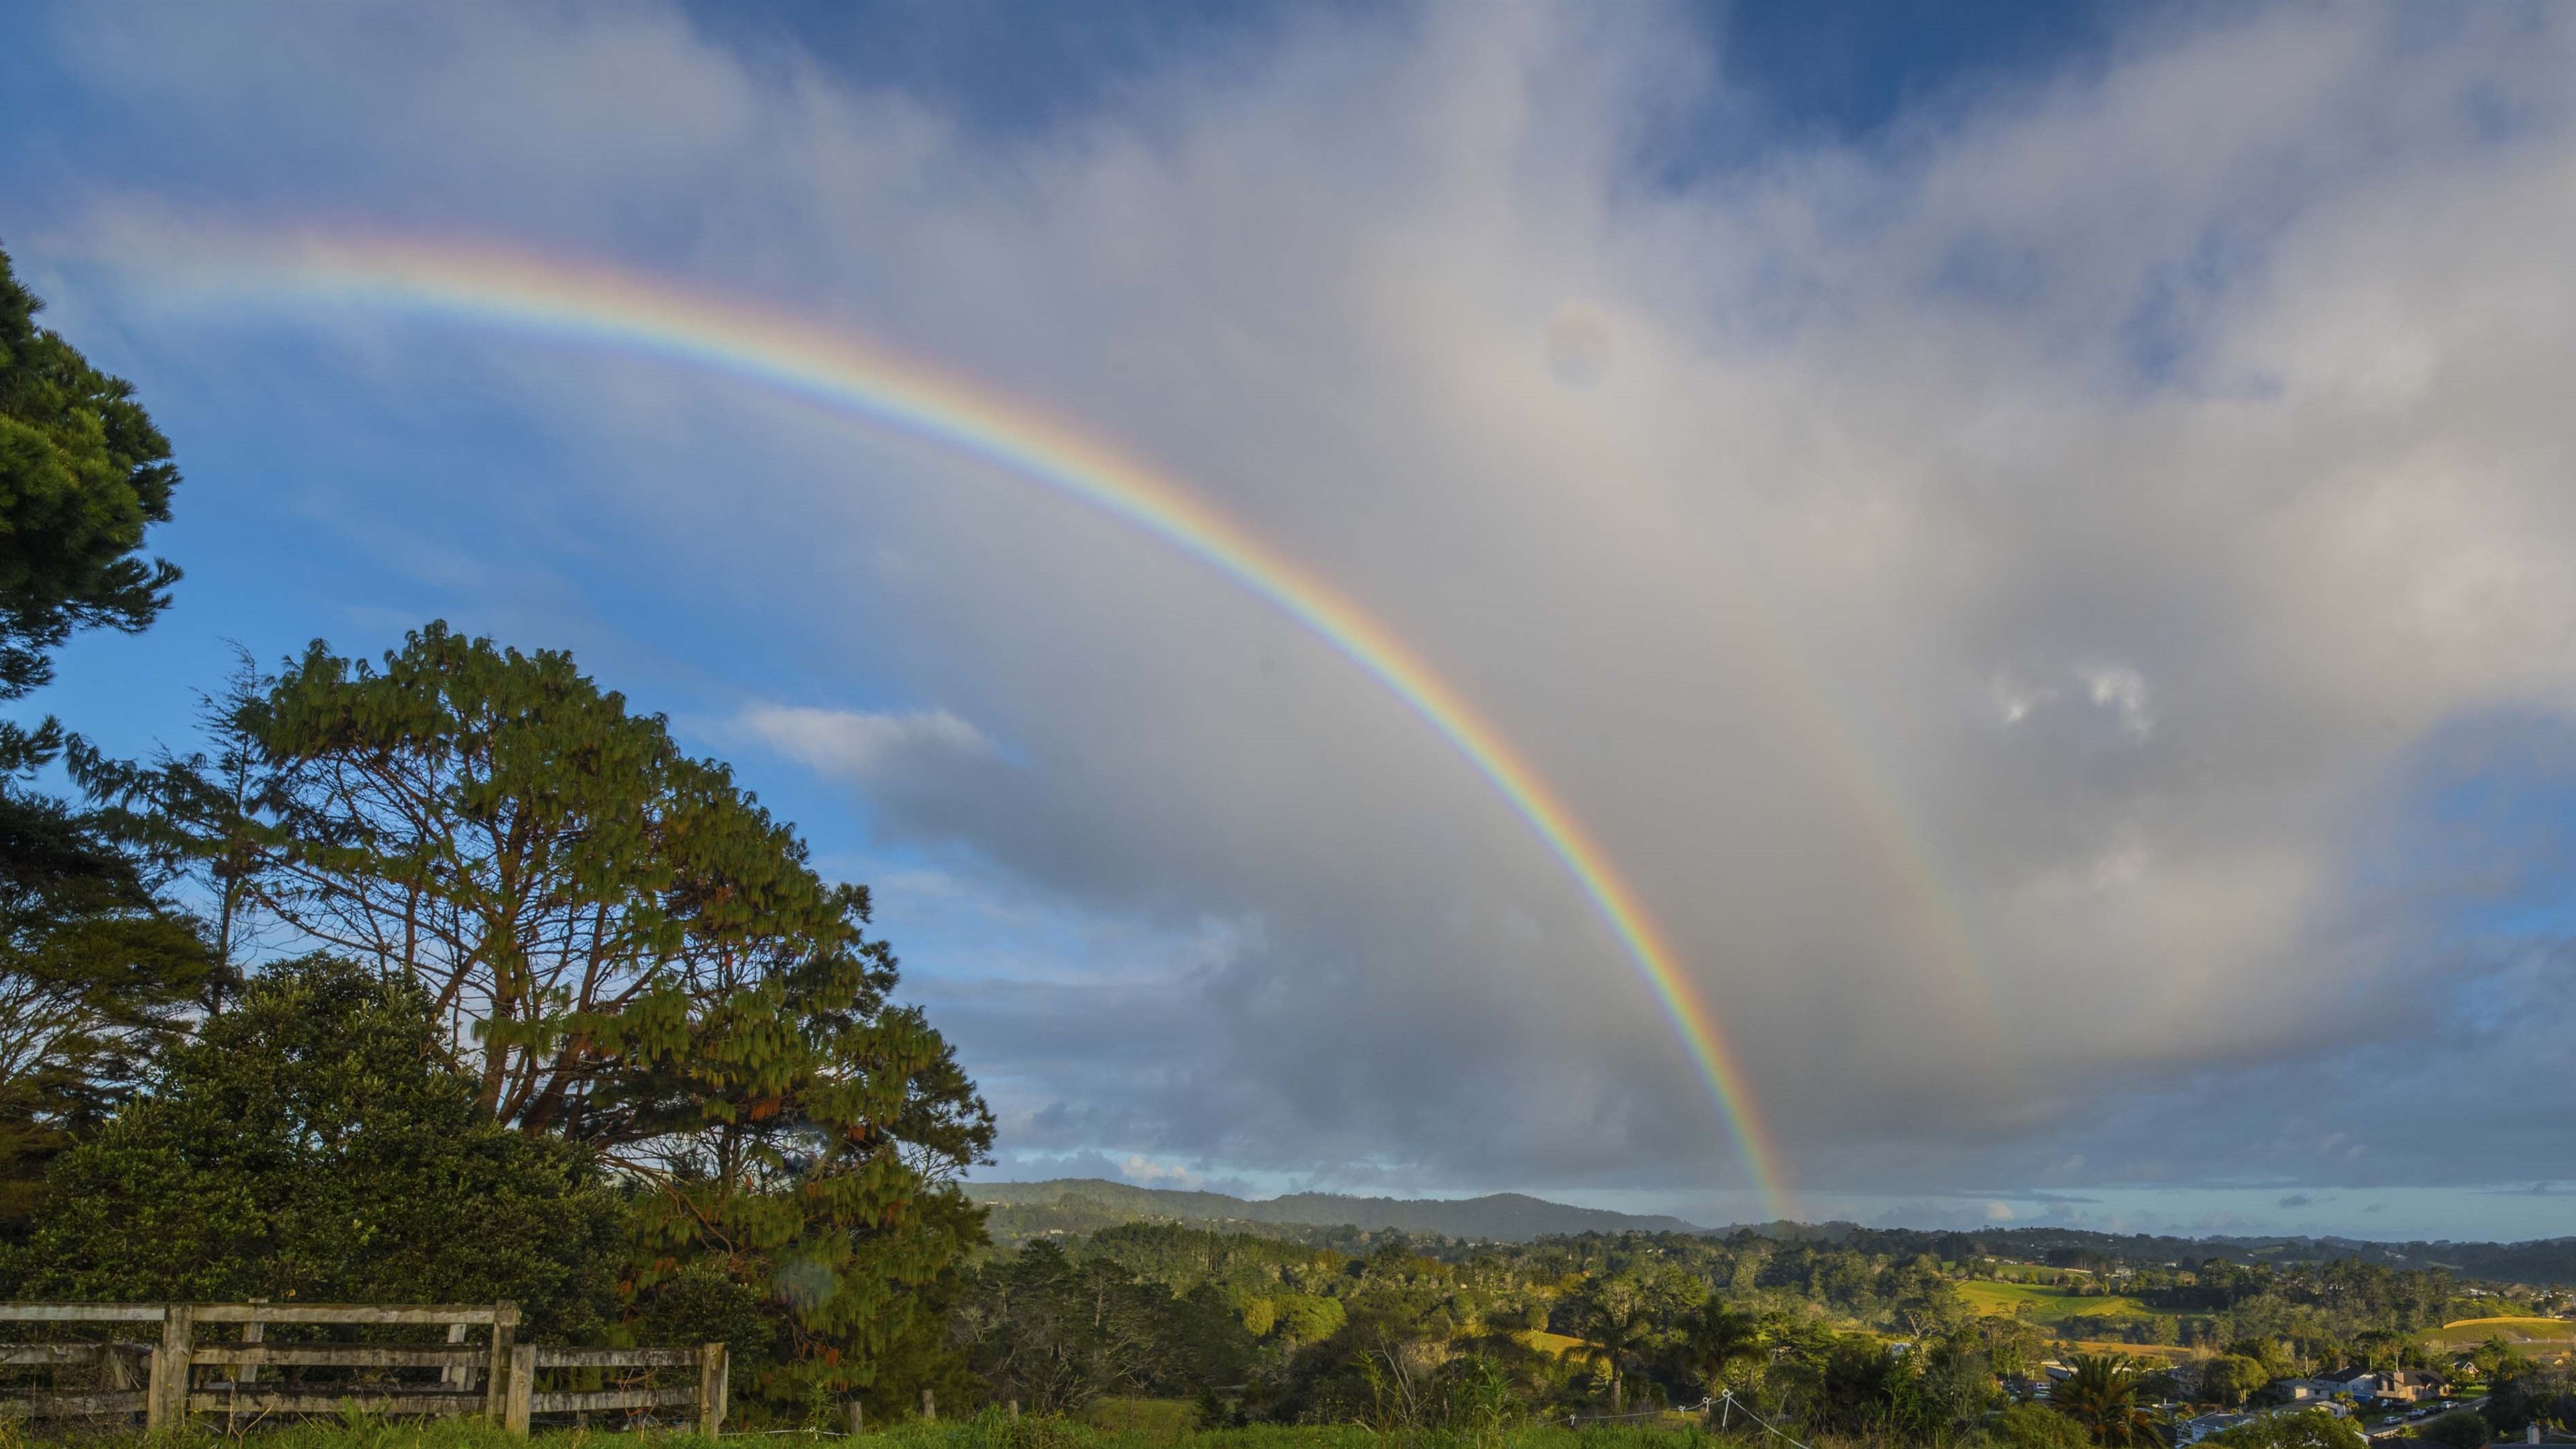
308 1146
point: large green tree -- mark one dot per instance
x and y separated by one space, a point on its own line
82 473
625 950
93 961
313 1144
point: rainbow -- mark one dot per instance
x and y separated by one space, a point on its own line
595 305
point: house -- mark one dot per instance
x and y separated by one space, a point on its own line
2304 1391
2411 1386
2192 1431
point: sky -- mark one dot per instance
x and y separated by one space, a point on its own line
2033 537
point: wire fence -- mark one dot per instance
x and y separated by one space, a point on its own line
1724 1406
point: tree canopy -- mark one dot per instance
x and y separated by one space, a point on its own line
82 473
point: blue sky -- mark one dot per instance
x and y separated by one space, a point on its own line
2134 437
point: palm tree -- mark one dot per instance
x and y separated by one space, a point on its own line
1721 1338
2102 1395
1615 1329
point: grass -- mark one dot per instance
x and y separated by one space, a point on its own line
2470 1332
1556 1343
1161 1420
2048 1305
2162 1352
990 1430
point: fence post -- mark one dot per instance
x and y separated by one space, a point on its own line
251 1333
521 1377
500 1379
858 1419
929 1406
713 1388
165 1401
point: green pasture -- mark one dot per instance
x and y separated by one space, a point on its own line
2470 1332
2048 1305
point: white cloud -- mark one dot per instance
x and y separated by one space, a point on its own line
862 745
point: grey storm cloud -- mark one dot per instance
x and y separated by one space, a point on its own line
1992 591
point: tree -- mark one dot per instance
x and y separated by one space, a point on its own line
1616 1324
625 950
95 970
1055 1334
2307 1429
2101 1394
1723 1343
191 818
82 473
91 959
2031 1426
2459 1429
310 1144
2232 1378
2531 1395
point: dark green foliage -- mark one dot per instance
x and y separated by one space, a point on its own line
2312 1429
2531 1396
2460 1429
91 960
2034 1426
2230 1379
312 1144
82 473
1054 1332
94 971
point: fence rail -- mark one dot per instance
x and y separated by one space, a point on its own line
496 1379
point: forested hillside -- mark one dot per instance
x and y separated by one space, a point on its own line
1022 1210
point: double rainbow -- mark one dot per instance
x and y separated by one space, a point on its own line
594 305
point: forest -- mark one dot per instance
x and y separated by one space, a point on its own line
444 976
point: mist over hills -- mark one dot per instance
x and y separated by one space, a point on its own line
1021 1211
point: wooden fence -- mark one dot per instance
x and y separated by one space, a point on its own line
497 1378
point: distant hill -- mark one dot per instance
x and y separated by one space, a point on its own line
1021 1211
1081 1205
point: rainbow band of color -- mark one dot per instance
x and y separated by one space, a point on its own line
603 307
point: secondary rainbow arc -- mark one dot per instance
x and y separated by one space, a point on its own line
594 304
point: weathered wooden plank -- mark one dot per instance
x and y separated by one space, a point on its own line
60 1406
439 1313
617 1357
609 1399
341 1355
82 1312
61 1353
271 1401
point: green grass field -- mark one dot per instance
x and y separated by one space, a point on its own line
2470 1332
2048 1305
